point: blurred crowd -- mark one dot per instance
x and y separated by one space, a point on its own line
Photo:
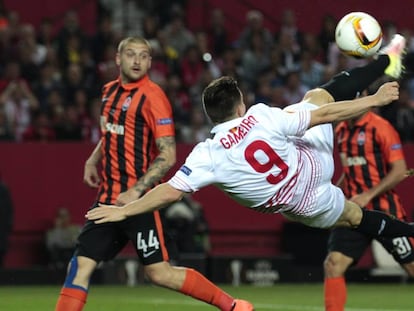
50 81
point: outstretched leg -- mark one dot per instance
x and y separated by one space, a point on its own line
349 84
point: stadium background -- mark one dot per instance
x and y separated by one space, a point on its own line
44 176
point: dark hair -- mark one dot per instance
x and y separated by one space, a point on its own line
220 99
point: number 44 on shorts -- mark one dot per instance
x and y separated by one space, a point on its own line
149 246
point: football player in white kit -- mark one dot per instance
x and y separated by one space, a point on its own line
280 161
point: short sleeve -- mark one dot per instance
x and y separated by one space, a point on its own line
390 143
292 122
158 114
197 171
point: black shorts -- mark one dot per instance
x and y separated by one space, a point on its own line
102 242
353 244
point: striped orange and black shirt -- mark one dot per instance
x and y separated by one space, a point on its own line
133 116
366 150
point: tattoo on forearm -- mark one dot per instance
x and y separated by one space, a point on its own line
160 166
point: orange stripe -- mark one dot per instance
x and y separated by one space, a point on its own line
160 231
351 188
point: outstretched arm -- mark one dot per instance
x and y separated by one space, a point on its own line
159 197
345 110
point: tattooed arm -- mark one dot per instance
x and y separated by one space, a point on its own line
156 171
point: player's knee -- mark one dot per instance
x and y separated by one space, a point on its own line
79 271
410 269
158 274
318 97
351 215
335 264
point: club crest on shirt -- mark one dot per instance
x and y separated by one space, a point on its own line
186 170
126 103
361 138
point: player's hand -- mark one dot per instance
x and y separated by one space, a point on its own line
387 93
91 175
362 199
106 213
127 197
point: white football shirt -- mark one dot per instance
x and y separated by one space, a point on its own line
255 159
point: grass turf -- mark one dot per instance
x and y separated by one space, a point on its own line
287 297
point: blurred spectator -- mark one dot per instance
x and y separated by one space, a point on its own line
217 33
13 22
288 28
6 219
166 52
73 81
185 221
311 71
69 128
263 88
401 115
228 63
40 129
89 73
81 103
55 106
276 68
150 27
91 131
107 69
295 90
11 73
178 36
196 90
61 239
103 38
19 102
255 27
6 133
326 35
47 82
198 130
289 52
36 52
70 39
254 60
126 15
45 35
179 100
277 97
191 66
311 44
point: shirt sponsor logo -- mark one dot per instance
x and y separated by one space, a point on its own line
111 127
164 121
185 170
353 161
396 147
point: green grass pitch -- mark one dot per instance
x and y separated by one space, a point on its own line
286 297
